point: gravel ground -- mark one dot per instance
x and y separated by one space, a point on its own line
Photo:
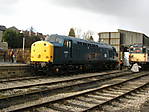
135 103
38 81
47 79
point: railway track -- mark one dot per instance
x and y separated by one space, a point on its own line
28 77
45 81
63 91
8 80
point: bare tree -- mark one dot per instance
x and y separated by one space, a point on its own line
78 32
88 35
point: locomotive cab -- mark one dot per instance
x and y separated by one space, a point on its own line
138 54
42 51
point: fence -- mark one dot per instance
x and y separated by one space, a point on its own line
20 56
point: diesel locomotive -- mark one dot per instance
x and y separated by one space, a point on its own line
139 53
64 53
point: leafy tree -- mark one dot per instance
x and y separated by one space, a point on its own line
71 32
13 38
30 39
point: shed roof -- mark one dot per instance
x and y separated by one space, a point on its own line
2 28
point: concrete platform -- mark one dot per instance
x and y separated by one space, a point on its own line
9 70
12 64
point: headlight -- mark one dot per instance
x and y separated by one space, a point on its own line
43 64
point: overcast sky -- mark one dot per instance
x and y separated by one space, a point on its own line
58 16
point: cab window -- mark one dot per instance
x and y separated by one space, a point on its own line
54 39
68 43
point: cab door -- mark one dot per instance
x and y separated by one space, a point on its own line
68 51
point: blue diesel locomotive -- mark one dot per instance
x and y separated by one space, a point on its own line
64 53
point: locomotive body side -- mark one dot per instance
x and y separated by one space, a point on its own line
59 53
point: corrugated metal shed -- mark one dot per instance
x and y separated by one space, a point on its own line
112 38
129 37
123 39
145 40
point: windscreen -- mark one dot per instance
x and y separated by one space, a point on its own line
54 39
137 49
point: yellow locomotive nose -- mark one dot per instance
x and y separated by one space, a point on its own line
42 51
139 57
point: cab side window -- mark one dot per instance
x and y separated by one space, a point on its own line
69 44
65 43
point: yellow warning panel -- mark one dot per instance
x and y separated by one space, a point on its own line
42 51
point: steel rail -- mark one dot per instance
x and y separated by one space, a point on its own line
80 94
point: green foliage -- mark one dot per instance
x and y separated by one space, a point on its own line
72 32
15 39
29 40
